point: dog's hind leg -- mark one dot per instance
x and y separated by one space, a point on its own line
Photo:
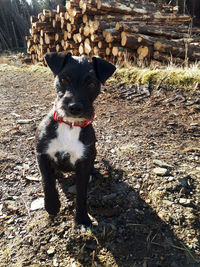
51 200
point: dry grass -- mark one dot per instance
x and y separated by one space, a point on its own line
169 76
186 77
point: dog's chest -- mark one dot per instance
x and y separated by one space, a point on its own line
67 142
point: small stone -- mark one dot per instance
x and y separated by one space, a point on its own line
11 236
1 207
11 205
167 202
184 181
55 262
184 201
32 178
37 204
110 196
72 189
91 244
24 121
51 251
160 171
53 238
109 212
162 164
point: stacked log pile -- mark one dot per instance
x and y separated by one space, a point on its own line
114 30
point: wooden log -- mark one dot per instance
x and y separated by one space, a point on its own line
49 31
115 51
102 25
49 13
51 49
63 23
85 18
151 18
58 17
71 27
102 44
39 16
77 38
49 38
151 30
60 8
133 41
87 46
166 58
65 35
135 8
33 31
30 42
74 12
59 48
98 52
178 49
69 35
96 37
36 38
111 35
59 37
33 19
66 15
56 24
44 18
144 52
71 4
28 37
41 25
41 40
108 51
81 49
86 31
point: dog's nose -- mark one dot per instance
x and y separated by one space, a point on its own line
75 108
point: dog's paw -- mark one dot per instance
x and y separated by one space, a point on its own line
52 206
84 220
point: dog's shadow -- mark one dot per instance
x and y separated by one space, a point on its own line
129 232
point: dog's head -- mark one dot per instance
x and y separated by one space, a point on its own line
77 83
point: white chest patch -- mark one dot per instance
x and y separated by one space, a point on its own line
67 141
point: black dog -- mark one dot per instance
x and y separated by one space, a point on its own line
65 137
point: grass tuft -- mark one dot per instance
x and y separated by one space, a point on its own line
171 76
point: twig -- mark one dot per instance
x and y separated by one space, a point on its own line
135 224
189 252
27 208
157 244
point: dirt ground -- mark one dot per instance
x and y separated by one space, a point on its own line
145 196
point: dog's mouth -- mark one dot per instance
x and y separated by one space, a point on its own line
72 112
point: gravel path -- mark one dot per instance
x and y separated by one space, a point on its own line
145 197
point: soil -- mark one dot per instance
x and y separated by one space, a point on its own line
145 195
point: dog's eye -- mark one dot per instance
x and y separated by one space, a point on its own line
91 85
65 81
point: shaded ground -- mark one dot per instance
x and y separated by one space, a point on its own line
144 219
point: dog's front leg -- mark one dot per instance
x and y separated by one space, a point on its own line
51 200
82 179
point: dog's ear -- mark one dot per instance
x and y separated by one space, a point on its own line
56 61
103 68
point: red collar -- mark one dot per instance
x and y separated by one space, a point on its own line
82 124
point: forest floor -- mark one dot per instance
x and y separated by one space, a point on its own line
146 195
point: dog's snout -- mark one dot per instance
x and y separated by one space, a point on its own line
75 108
